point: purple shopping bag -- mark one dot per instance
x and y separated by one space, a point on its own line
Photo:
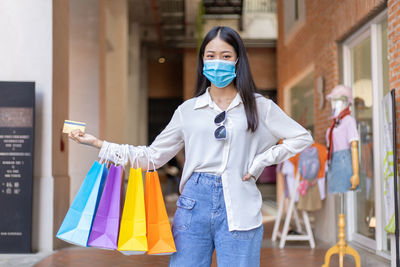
105 228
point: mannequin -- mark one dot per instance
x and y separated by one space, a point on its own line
343 165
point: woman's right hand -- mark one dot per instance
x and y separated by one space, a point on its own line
85 138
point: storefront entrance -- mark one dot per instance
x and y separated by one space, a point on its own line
365 69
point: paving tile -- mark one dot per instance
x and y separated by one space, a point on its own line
294 254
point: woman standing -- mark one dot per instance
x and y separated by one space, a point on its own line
230 133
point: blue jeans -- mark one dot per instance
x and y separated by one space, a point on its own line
200 226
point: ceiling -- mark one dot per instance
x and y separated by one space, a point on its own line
223 7
161 21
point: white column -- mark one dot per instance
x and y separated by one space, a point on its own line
26 44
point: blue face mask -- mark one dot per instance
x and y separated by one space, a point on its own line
219 72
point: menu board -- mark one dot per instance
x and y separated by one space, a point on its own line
16 165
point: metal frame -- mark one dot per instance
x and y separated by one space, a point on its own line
287 91
373 30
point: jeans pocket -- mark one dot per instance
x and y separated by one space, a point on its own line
183 214
244 235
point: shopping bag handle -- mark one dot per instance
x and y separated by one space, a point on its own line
149 158
130 157
104 158
136 157
121 158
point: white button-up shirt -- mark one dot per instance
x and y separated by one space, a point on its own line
192 126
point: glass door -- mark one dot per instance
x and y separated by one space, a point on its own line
365 69
362 110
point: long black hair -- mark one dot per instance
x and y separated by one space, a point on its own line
243 82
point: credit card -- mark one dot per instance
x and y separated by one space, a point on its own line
69 126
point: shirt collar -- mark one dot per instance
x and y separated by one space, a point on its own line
205 99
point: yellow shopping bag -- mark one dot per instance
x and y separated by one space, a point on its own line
132 234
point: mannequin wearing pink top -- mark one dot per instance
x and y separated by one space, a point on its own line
343 168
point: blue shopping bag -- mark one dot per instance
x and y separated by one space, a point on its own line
77 223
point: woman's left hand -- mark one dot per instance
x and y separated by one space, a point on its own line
247 177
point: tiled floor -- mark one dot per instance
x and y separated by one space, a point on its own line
294 254
83 257
93 257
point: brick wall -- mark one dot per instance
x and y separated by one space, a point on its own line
315 43
263 66
394 56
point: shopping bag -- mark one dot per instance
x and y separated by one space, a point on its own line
78 221
104 232
132 233
159 235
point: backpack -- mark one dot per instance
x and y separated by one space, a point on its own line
309 163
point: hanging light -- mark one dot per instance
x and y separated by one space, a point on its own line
161 60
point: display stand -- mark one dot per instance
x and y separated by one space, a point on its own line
341 246
284 236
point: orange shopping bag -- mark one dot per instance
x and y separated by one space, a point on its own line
159 235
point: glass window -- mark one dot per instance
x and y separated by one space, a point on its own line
368 90
294 15
362 93
302 102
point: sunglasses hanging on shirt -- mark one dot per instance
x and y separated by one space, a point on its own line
220 132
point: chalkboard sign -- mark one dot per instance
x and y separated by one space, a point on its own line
17 101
